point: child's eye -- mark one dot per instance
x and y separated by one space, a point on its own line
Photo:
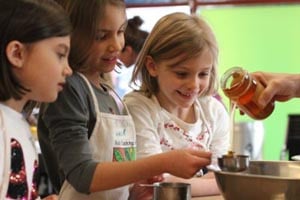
203 74
100 36
121 31
61 55
181 74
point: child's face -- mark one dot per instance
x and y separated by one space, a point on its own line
109 40
44 68
181 85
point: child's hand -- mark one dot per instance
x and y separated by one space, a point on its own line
155 179
139 192
186 163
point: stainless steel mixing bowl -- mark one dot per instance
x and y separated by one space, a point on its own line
263 180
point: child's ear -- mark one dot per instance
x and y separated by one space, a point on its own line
151 66
15 53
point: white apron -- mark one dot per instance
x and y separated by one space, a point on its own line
113 139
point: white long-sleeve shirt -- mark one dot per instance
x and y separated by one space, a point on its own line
159 131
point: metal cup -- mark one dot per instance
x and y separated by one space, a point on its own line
236 163
172 191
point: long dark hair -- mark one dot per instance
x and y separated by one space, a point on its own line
85 17
26 21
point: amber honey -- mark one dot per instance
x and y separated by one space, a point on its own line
241 88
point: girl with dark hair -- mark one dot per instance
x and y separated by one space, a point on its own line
34 47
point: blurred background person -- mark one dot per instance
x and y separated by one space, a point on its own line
134 41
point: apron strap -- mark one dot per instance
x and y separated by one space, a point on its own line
95 102
91 91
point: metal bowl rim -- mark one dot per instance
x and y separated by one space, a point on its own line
276 161
247 175
171 184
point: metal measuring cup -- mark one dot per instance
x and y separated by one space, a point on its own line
233 163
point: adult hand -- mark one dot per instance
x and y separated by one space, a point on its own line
279 87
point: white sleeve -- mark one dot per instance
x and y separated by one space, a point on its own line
142 110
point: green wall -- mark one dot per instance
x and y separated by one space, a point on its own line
260 38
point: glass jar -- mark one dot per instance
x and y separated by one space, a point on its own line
241 88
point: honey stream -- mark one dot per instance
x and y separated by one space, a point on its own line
232 108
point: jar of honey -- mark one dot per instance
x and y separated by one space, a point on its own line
241 88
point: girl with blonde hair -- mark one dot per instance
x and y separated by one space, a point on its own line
174 107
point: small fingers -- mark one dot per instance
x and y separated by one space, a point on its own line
203 154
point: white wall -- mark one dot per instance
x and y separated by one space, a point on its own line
151 15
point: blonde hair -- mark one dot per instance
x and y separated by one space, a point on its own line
176 34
